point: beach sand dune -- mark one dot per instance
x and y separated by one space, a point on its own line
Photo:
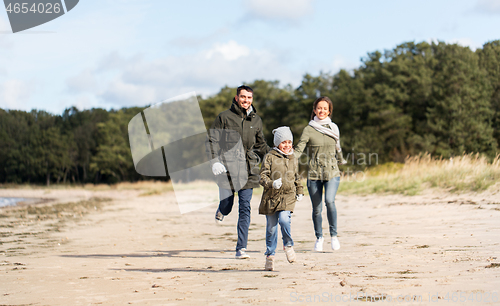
115 247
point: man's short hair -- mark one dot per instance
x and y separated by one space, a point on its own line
243 87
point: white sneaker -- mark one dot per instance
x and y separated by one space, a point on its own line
335 243
318 246
290 253
241 254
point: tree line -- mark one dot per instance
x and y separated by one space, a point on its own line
418 97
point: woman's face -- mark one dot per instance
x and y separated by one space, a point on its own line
285 146
322 110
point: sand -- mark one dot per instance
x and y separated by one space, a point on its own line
115 247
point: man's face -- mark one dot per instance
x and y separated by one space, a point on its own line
244 99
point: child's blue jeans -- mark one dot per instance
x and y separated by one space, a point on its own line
284 218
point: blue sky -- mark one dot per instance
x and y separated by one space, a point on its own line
122 53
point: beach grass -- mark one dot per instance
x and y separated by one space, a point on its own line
466 173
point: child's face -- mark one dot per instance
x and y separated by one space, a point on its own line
285 146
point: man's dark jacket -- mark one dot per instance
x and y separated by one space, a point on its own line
241 159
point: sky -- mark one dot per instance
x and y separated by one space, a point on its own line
123 53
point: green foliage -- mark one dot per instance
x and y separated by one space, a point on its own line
113 155
418 97
489 60
460 115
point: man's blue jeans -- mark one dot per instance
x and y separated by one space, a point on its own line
315 188
226 197
284 218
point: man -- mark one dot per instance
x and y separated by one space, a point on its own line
236 145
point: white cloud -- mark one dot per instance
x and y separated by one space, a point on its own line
340 62
84 81
465 42
139 82
197 41
114 61
5 31
78 41
80 101
230 51
288 10
331 66
488 6
4 25
15 94
120 92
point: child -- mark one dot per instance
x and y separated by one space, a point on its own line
280 178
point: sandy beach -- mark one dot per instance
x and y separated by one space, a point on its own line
116 247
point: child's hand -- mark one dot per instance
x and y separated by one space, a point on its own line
299 197
277 183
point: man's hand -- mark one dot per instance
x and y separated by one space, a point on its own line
277 183
218 168
299 197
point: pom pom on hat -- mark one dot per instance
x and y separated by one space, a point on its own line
281 134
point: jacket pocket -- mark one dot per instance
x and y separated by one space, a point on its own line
231 138
253 161
271 200
275 200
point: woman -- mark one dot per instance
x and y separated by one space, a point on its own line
321 138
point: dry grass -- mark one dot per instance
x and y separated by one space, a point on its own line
467 173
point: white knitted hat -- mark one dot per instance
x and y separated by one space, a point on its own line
281 134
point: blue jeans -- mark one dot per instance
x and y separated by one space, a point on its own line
315 188
284 218
226 205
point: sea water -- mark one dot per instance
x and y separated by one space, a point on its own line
10 201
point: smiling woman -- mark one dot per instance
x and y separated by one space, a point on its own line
321 139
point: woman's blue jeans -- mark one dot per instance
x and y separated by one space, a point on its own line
315 188
284 218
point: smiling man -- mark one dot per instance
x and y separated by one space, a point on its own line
239 123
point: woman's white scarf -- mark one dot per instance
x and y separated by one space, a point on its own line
333 131
289 153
